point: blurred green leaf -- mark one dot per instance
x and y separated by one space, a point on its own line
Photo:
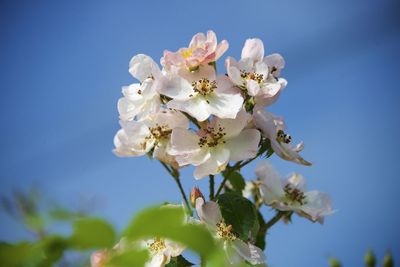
179 261
169 222
241 214
334 263
52 248
20 255
129 258
388 260
370 259
92 233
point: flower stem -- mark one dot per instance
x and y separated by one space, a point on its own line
175 174
212 187
229 171
274 220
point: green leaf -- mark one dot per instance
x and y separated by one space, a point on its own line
92 233
53 248
129 258
20 255
179 261
237 182
241 214
334 263
169 222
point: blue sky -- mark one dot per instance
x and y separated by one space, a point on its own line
63 64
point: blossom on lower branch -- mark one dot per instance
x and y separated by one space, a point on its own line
236 249
220 141
161 251
290 194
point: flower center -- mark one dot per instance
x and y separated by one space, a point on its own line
259 78
160 131
204 86
281 137
187 53
294 195
225 231
212 137
157 246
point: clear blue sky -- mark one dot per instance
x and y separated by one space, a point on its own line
63 64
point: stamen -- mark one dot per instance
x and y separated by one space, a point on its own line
204 86
225 231
212 137
294 195
259 78
282 137
157 246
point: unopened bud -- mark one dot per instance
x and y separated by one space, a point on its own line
334 263
195 194
370 259
388 260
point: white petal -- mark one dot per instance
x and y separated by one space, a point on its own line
196 107
318 205
194 158
204 72
158 260
175 249
176 88
252 87
251 253
208 212
297 181
271 184
232 127
183 141
142 67
245 145
224 106
214 165
254 49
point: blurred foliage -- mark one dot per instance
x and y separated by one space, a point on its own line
369 260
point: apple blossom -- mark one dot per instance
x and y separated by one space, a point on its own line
138 138
255 75
290 194
273 128
201 94
236 249
161 250
99 258
220 141
140 99
201 51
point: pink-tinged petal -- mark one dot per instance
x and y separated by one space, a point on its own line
158 260
252 87
286 152
222 47
271 184
253 49
318 205
224 106
197 40
172 59
176 88
208 212
235 75
249 252
196 107
226 86
214 165
169 118
245 145
183 142
142 67
211 40
233 127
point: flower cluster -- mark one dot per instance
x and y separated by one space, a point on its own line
184 113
